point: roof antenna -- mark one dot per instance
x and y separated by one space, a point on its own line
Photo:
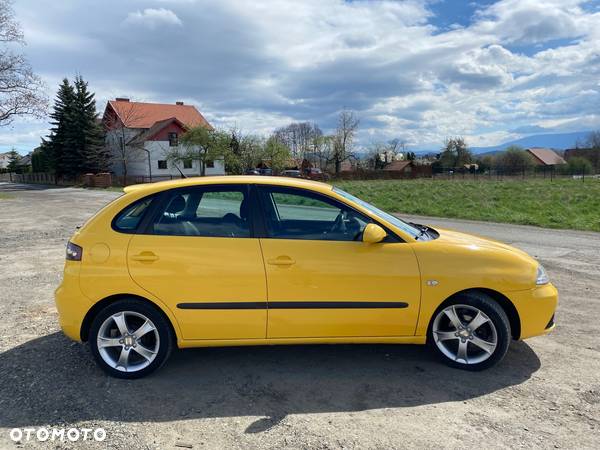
179 170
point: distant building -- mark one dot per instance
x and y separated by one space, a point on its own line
146 132
349 165
4 160
389 156
400 167
545 156
25 162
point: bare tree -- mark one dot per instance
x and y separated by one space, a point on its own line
455 153
21 91
383 153
298 137
397 147
344 137
322 149
120 133
593 140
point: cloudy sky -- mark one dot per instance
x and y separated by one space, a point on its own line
419 70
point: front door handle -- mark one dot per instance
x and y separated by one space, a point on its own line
281 261
145 257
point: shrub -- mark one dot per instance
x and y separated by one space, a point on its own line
578 165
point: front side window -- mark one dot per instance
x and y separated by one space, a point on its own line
129 219
399 223
162 164
298 214
173 140
187 164
204 211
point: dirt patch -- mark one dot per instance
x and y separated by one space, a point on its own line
544 394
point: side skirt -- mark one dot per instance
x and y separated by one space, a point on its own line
190 343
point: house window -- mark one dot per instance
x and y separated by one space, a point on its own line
210 163
187 164
173 141
162 164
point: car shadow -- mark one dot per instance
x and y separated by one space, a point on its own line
52 380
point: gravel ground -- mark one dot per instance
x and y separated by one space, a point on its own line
546 392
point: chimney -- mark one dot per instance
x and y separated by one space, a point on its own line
122 99
179 103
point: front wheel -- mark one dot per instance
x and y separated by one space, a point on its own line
471 332
130 339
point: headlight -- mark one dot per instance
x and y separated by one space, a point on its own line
541 276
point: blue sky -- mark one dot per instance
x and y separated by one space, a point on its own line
416 70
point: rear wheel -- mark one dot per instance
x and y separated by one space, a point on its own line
130 339
470 332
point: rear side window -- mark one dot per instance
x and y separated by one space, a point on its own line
129 219
214 211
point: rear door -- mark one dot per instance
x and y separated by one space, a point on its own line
198 254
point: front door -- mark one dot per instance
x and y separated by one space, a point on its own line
323 281
199 256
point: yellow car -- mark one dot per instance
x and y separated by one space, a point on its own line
252 260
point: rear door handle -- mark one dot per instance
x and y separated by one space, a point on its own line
281 261
145 257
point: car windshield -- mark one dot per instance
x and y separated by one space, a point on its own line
402 225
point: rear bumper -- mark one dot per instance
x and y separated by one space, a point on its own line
71 304
536 308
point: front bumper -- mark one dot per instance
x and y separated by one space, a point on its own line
71 304
536 308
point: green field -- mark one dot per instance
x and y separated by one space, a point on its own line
561 203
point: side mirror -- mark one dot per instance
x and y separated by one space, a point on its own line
373 234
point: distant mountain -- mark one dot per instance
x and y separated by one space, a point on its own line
559 141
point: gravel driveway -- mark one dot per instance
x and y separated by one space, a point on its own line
546 392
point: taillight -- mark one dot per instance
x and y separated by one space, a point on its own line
74 252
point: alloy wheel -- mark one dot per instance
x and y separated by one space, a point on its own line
465 334
128 341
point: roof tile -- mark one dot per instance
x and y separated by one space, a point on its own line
144 115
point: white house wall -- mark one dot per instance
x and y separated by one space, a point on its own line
137 165
133 155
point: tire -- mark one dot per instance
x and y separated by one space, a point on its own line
130 339
479 339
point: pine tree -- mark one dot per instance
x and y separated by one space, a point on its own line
13 161
76 142
42 157
57 141
87 132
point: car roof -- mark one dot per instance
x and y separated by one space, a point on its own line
228 179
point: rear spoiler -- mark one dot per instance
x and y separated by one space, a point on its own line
132 188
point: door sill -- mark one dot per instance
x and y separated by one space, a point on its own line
190 343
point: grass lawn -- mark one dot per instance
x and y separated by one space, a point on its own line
4 196
561 203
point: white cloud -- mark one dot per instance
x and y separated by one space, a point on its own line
260 64
153 18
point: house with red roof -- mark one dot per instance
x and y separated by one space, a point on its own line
140 135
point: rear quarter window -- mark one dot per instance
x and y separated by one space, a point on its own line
129 219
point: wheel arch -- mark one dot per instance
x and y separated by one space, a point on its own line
100 305
505 303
